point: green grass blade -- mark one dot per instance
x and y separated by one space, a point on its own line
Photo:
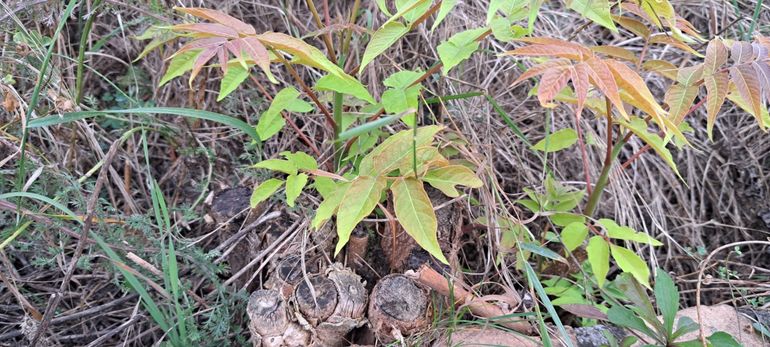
14 234
178 111
367 127
445 98
21 174
535 282
508 121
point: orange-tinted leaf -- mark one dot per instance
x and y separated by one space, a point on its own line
207 30
690 75
556 42
219 17
716 56
551 83
604 80
716 91
540 69
638 28
547 51
668 40
662 67
679 99
616 52
747 85
634 85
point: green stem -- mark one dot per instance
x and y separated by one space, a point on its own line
337 129
82 52
604 178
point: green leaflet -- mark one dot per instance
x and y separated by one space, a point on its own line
180 63
415 214
599 258
358 202
573 234
595 10
331 202
345 86
402 96
458 48
381 40
616 231
629 262
666 297
446 178
281 165
384 158
271 122
443 11
410 10
504 30
557 141
263 191
301 160
294 185
234 76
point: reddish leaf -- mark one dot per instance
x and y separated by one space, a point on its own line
746 82
551 83
602 78
202 59
580 80
207 30
202 43
540 69
556 42
219 17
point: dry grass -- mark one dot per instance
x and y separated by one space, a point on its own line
723 199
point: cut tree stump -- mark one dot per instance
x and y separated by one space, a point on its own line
270 325
288 273
398 307
316 299
350 309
